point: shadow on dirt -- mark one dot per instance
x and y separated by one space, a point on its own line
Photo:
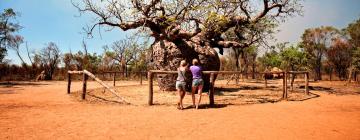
219 90
9 91
12 84
310 96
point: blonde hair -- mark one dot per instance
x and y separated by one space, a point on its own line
195 62
183 63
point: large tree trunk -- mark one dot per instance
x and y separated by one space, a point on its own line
167 55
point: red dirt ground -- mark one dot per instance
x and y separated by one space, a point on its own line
43 110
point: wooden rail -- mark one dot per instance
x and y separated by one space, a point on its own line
114 75
306 79
151 74
86 75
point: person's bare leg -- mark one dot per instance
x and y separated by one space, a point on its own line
200 94
193 90
178 105
182 98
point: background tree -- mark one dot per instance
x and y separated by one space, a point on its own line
293 59
15 44
67 60
353 30
50 58
108 63
270 59
328 68
2 54
315 42
187 29
339 55
126 54
8 27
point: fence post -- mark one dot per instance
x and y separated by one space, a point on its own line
114 79
85 77
265 80
141 78
286 92
307 83
211 89
292 76
69 83
150 79
284 87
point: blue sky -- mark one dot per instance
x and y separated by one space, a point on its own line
56 21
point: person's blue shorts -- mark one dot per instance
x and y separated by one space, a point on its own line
197 82
180 85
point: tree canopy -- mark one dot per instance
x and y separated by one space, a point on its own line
201 21
315 42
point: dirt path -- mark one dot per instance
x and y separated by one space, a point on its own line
44 111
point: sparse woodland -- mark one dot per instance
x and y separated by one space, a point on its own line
223 35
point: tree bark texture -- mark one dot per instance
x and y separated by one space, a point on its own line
167 55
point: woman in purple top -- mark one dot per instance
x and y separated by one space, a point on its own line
197 83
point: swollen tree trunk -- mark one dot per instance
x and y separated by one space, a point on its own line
167 55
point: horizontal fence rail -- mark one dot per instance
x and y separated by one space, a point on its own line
115 72
151 74
86 75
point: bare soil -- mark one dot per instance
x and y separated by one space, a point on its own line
43 110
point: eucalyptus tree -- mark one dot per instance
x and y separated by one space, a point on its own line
8 26
315 42
187 29
353 30
339 56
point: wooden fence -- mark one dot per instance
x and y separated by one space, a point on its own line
86 74
141 73
306 79
151 74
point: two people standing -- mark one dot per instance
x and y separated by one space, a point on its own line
197 82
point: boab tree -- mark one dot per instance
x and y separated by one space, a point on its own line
187 29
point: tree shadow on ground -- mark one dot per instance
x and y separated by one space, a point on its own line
311 96
11 91
219 90
335 91
206 106
12 84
